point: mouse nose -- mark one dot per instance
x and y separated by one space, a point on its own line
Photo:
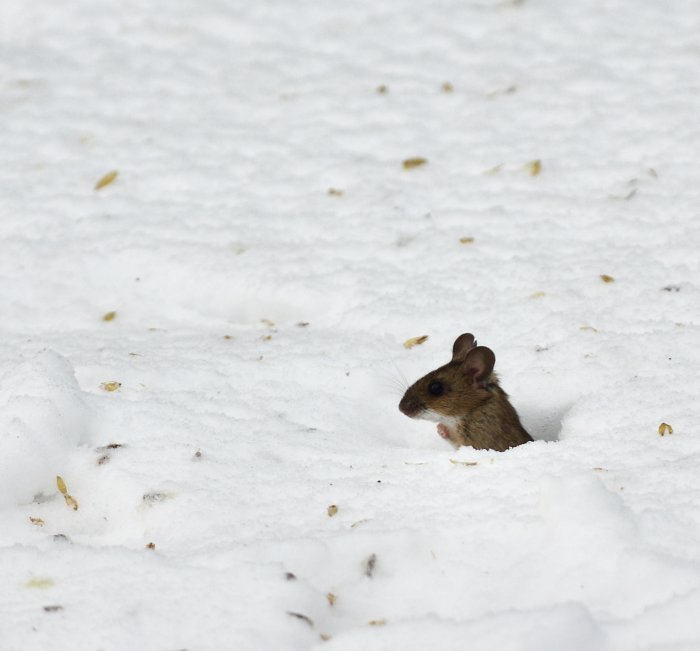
409 406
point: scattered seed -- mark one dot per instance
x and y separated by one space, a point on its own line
152 498
39 583
331 598
332 510
268 323
359 522
325 637
588 328
197 455
665 428
410 163
36 521
111 446
110 316
447 87
302 617
493 170
370 564
466 240
110 386
302 324
508 90
290 576
599 469
415 341
151 545
103 459
61 538
464 463
335 192
538 295
607 279
382 90
52 609
228 337
377 622
671 288
70 501
106 179
534 167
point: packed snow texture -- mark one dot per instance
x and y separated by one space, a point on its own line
266 253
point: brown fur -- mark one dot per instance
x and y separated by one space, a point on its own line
473 409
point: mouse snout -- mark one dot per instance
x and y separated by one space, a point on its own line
409 406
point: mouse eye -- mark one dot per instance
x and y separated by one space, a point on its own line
436 388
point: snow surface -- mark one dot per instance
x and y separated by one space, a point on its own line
228 123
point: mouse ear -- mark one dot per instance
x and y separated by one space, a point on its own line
478 364
463 344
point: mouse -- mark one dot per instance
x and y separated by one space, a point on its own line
465 399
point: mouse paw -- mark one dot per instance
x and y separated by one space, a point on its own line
443 431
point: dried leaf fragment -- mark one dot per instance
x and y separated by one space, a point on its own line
534 167
106 179
36 521
415 341
302 617
466 240
410 163
665 428
464 463
370 564
607 279
377 622
332 510
110 386
331 598
110 316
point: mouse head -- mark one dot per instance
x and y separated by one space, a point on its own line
455 389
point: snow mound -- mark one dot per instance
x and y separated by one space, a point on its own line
42 418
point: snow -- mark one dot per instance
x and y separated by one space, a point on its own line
260 320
